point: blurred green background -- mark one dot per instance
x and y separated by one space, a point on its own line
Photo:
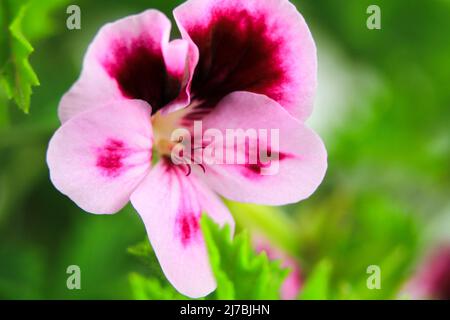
382 108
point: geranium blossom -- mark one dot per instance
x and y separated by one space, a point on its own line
294 281
432 279
239 65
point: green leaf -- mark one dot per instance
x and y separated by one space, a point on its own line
271 221
151 289
39 21
150 284
317 285
141 249
147 258
354 233
240 272
16 74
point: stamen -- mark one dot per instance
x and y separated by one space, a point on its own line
203 167
189 170
179 140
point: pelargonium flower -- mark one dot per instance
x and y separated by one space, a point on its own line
240 64
293 283
432 279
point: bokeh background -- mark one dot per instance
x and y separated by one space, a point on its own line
382 108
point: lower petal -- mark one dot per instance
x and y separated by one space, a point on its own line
171 204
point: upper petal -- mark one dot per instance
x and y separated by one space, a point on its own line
131 58
170 204
98 157
298 161
262 46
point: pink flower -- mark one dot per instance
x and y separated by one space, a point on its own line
293 282
432 280
240 64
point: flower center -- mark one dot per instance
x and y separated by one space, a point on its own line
172 130
163 127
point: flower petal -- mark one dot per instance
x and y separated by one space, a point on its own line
170 205
131 58
98 157
294 176
261 46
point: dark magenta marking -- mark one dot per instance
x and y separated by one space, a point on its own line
141 73
253 169
237 52
110 157
188 227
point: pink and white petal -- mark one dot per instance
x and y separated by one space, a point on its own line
98 157
126 60
261 46
171 204
176 58
299 161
